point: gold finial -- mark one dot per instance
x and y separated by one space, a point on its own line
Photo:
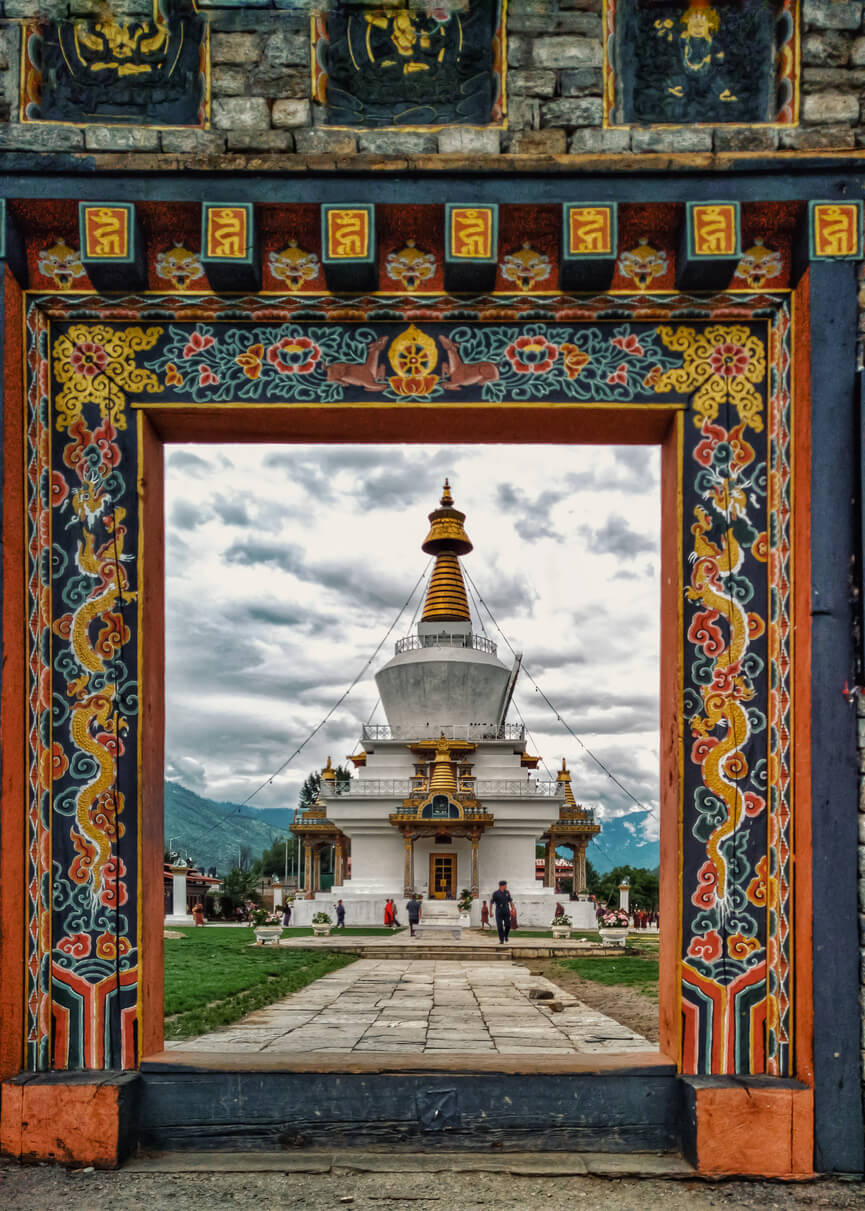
446 599
328 774
564 776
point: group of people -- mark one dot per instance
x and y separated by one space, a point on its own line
390 918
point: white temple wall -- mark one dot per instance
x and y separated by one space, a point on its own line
425 846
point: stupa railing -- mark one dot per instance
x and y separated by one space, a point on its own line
412 643
404 788
450 731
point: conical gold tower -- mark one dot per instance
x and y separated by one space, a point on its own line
442 775
570 804
446 599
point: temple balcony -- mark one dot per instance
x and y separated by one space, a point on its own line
413 643
450 731
403 788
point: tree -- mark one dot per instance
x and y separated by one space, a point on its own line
273 860
240 885
644 887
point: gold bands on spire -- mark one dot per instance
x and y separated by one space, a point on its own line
446 599
443 780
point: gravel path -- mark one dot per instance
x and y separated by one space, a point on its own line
45 1188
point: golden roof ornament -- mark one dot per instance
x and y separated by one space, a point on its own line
328 773
446 599
564 776
442 775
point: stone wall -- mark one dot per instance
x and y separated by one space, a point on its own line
261 103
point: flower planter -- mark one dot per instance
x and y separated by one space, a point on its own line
265 934
465 920
561 931
322 931
613 937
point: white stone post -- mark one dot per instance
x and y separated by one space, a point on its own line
179 914
277 896
625 895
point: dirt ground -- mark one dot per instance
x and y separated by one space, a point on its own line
637 1012
46 1188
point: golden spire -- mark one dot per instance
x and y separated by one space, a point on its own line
328 773
442 776
564 775
446 599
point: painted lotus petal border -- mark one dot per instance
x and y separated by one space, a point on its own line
90 363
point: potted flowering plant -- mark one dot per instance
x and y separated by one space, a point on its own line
267 926
464 904
613 925
561 923
321 925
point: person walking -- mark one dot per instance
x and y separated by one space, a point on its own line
198 913
388 914
501 902
286 914
413 911
485 914
513 916
340 915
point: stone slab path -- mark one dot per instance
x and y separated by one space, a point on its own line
429 1006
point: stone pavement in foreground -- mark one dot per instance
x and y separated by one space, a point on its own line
426 1006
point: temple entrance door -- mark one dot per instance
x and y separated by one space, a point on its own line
442 876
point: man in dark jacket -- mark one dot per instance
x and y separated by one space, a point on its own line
501 902
413 913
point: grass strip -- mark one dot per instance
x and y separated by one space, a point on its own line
638 974
214 977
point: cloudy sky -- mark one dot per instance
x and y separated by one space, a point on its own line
287 564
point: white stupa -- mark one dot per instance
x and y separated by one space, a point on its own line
445 798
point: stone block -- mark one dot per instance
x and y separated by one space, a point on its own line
266 80
829 49
228 81
829 107
857 53
683 139
15 136
816 79
397 143
572 111
585 24
260 140
528 18
743 138
538 143
287 48
814 138
241 113
588 140
469 141
235 48
832 14
566 52
577 81
320 142
524 113
537 83
119 138
519 51
291 113
193 142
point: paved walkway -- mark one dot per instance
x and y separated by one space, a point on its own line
425 1006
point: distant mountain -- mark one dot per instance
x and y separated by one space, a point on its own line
213 833
621 843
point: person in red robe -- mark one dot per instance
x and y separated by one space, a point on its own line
485 914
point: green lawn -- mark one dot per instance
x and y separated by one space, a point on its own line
213 977
637 973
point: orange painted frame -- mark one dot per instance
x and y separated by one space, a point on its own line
371 424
